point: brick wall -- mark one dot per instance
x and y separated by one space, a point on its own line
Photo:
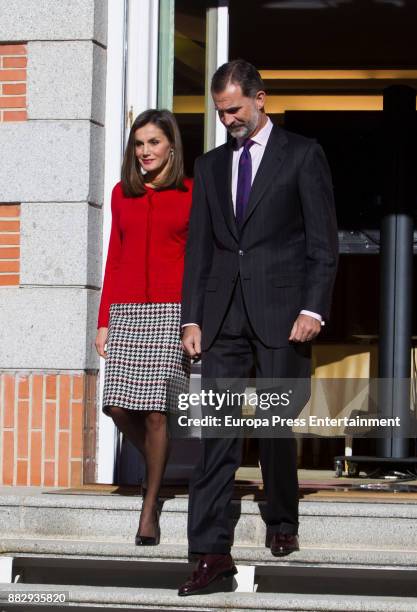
13 62
47 429
9 244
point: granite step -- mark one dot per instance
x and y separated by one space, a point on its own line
114 518
54 550
100 575
86 598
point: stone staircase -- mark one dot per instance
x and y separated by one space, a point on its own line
355 555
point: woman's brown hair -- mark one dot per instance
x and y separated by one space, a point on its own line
133 183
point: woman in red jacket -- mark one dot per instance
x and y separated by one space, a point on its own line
139 317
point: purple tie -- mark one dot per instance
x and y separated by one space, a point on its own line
244 181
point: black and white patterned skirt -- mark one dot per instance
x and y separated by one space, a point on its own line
146 367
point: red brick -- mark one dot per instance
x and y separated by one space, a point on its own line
22 429
15 62
50 429
76 430
9 225
78 387
9 279
15 115
9 266
76 474
37 401
13 102
23 387
9 239
51 386
12 75
10 253
9 210
49 474
35 478
64 401
63 459
22 473
12 89
13 50
9 398
8 457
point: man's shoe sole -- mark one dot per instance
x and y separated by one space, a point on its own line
283 554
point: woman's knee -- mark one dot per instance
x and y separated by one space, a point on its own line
155 420
116 413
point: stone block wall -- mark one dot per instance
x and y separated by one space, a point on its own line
52 110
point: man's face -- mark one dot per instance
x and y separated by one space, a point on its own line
239 114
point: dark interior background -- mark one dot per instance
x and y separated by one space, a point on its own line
329 34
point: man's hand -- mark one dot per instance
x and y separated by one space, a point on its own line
101 340
191 340
305 328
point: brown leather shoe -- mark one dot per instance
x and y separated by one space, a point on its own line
283 544
209 569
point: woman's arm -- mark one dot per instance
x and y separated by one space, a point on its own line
113 259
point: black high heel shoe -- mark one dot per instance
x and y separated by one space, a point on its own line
150 540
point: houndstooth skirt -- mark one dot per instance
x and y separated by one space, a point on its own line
146 367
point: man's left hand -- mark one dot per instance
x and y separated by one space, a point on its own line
305 328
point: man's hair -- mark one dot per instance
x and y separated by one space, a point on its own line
238 72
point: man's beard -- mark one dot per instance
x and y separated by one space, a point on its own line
243 130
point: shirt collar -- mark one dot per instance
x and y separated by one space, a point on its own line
261 138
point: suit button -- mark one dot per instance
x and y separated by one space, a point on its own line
241 253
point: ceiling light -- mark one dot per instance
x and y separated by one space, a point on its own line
322 4
397 3
304 4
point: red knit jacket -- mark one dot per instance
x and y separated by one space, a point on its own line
145 260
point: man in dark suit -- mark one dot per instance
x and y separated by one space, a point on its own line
259 271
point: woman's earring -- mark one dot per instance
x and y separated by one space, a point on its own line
172 152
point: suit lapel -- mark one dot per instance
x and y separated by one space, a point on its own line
222 169
272 159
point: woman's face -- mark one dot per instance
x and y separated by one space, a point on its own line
152 149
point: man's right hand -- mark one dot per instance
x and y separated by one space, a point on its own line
191 340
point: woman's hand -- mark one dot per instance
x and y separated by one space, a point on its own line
101 340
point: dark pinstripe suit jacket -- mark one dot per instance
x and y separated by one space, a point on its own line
285 251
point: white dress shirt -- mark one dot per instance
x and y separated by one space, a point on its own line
256 152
